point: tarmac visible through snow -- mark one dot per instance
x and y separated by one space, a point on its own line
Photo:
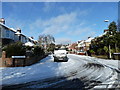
80 72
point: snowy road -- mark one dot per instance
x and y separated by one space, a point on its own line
78 72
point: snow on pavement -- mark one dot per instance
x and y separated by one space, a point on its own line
47 68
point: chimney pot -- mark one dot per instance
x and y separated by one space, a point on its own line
2 20
88 37
32 37
18 30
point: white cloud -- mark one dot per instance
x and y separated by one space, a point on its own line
63 41
82 23
91 34
79 31
14 23
68 24
59 24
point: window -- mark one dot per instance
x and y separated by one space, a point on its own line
7 33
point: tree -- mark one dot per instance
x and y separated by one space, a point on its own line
51 47
106 49
117 37
46 40
112 35
110 42
112 28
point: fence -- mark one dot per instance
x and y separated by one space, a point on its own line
116 56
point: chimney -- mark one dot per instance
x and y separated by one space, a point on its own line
32 37
88 37
19 30
2 20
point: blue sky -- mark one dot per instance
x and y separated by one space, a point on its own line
66 21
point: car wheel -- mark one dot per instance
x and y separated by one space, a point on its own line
55 60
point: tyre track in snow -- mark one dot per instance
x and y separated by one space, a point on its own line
90 79
99 78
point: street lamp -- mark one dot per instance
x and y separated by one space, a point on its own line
109 47
106 20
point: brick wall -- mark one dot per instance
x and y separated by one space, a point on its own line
5 61
8 62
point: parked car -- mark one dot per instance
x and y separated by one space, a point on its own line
60 55
81 53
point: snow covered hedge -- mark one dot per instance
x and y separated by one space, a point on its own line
15 49
18 49
38 51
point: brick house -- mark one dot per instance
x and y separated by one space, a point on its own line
72 48
83 46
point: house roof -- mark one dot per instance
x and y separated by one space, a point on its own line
106 30
12 29
29 44
7 27
73 46
81 43
88 40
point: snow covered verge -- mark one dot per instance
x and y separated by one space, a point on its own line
112 63
47 68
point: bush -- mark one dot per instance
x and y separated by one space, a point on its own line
15 49
100 51
38 51
105 49
92 51
51 47
28 47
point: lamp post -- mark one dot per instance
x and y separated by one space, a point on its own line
109 47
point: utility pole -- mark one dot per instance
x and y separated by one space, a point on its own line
109 47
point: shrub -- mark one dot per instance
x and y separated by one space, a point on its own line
14 49
38 51
100 51
105 49
92 51
28 47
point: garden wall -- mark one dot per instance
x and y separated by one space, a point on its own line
19 62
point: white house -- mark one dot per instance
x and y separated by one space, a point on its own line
10 35
83 46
